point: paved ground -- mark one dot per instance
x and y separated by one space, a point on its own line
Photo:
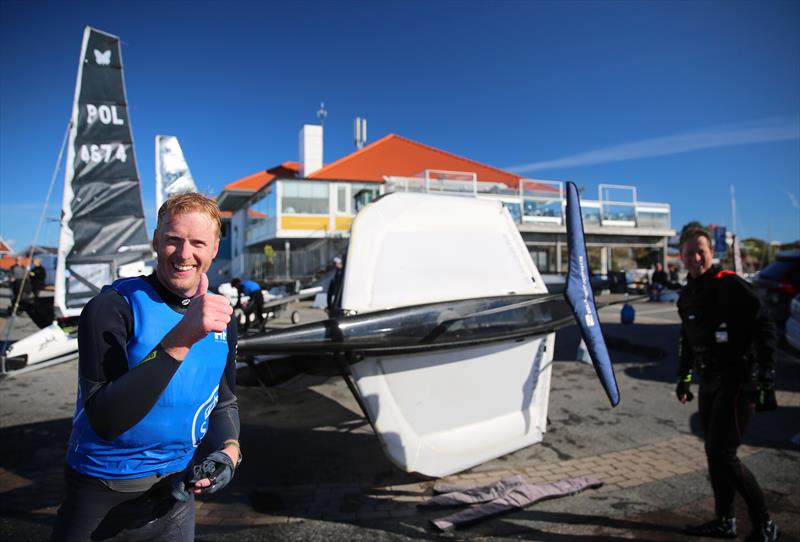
313 470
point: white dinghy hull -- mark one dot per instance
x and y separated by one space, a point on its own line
48 344
444 411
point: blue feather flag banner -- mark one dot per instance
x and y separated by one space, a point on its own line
579 296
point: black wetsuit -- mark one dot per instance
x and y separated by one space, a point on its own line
335 291
729 340
116 399
38 275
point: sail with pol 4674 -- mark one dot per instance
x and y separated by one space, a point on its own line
102 232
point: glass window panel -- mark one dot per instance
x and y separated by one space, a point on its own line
653 220
594 254
622 259
540 208
591 216
544 258
289 189
341 199
305 198
514 211
619 212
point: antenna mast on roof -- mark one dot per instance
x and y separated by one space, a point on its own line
360 129
322 113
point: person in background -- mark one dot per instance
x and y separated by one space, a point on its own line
38 276
335 286
156 419
18 277
674 278
255 303
658 282
728 341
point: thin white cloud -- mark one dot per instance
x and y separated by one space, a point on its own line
760 131
794 201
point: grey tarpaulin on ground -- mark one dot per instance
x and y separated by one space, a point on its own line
498 497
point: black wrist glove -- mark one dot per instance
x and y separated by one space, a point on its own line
683 389
765 396
217 467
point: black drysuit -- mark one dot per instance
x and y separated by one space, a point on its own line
729 341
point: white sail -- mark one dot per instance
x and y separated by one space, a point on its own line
173 176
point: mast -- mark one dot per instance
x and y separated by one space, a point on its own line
737 254
159 182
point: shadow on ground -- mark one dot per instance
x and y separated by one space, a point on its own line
33 456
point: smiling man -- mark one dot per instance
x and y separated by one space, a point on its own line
728 341
156 419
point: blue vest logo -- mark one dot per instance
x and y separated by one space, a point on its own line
200 421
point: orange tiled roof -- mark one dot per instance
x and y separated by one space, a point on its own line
251 182
398 156
256 181
7 261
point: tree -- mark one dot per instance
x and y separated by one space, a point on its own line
269 253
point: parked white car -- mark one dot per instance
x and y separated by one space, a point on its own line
793 324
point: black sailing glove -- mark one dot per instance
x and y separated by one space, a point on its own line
683 390
217 467
765 396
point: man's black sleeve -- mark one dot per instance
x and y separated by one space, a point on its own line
224 422
757 320
685 359
115 396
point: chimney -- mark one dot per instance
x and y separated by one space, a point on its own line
310 149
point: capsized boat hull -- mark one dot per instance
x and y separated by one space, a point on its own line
448 330
438 413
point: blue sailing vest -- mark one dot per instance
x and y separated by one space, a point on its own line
165 439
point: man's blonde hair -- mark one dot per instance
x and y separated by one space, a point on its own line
191 202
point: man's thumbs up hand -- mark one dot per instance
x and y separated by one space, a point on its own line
202 288
207 312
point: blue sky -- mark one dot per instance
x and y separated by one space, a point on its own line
680 99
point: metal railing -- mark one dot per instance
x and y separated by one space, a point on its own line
543 202
302 264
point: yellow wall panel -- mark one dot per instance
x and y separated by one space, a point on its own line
304 222
343 223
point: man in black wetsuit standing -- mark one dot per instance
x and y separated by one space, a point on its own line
156 418
728 340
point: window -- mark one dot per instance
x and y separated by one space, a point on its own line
649 219
342 203
622 259
260 217
544 258
364 193
305 197
514 211
591 216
